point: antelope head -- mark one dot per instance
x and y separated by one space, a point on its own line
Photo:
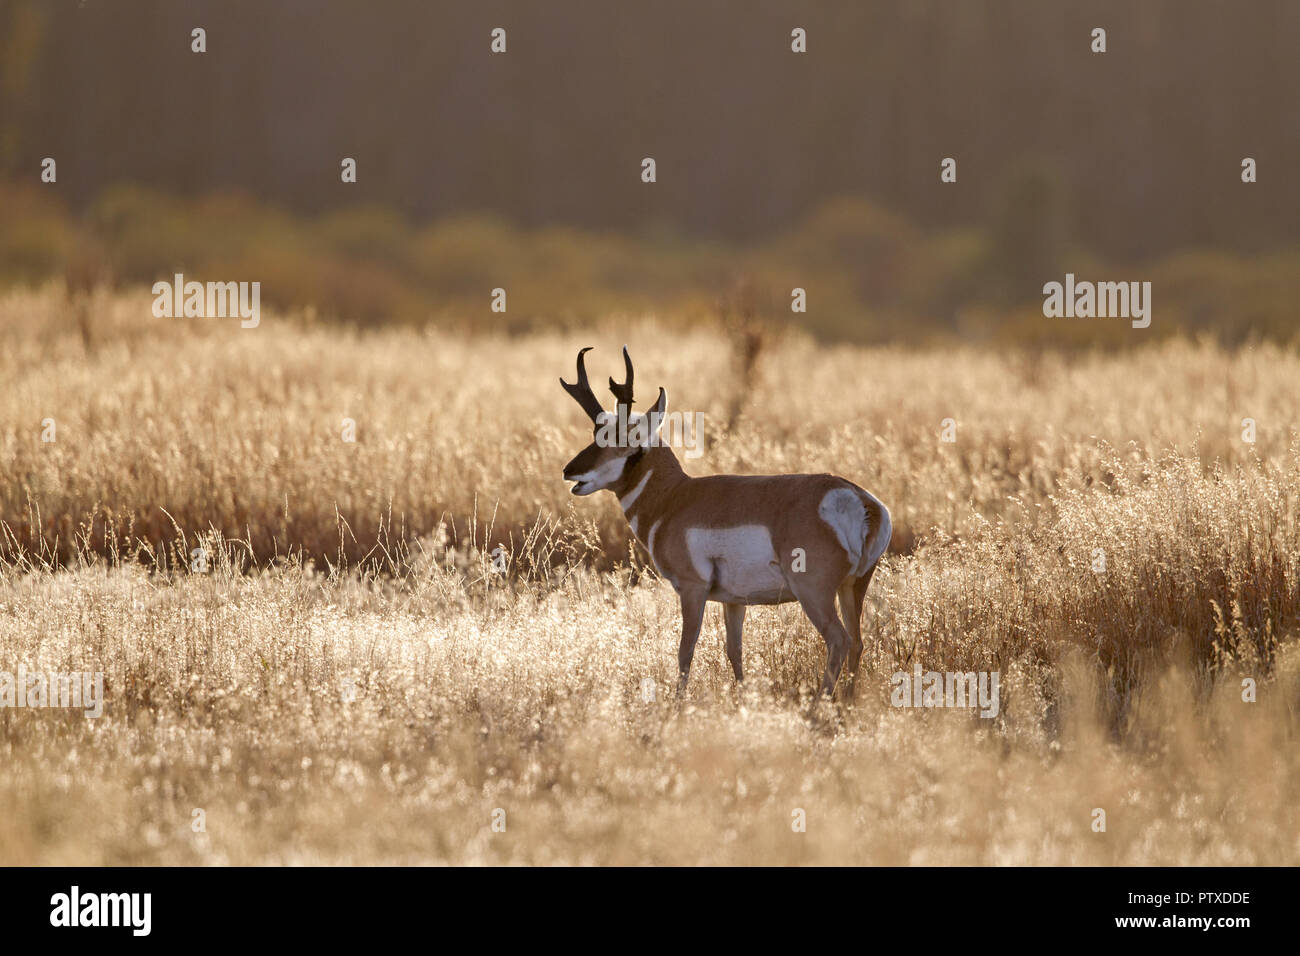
620 438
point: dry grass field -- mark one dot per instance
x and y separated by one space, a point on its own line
351 680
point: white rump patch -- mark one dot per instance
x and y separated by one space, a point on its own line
740 562
887 531
844 511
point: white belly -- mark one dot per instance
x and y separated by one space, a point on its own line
740 564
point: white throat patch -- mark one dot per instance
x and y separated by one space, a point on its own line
630 498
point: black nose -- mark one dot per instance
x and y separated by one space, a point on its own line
580 463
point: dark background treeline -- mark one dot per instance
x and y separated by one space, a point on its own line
1065 158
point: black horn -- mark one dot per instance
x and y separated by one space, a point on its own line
581 391
623 393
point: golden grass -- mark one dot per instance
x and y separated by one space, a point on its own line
1121 688
165 423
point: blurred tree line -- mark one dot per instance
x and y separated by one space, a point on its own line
866 273
522 170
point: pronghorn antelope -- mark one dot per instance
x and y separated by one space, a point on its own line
735 539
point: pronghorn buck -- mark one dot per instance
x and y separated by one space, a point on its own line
735 539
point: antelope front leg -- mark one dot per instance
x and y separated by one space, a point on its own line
692 618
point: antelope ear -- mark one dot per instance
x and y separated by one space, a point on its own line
657 412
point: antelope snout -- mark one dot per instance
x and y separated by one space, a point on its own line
582 470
